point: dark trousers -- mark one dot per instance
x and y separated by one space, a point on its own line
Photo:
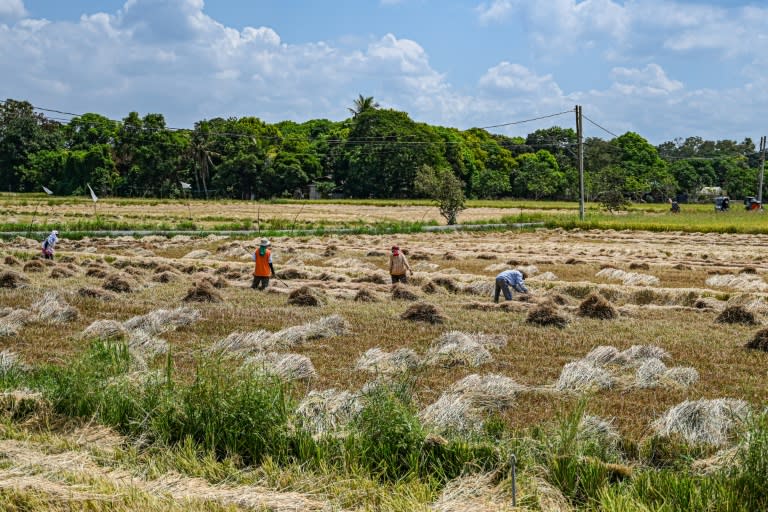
502 286
399 279
260 282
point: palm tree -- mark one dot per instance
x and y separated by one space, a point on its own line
363 104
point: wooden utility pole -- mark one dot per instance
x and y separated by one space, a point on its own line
762 168
580 138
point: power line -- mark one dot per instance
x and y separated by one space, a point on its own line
606 130
526 120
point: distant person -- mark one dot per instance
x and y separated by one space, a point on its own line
263 268
510 278
398 265
675 207
49 244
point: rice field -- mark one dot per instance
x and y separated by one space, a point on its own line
650 331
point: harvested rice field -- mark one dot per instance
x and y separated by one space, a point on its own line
632 329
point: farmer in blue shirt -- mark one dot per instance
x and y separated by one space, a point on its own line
509 278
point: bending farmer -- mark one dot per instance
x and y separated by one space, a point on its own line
49 244
263 269
507 279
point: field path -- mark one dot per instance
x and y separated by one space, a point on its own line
76 476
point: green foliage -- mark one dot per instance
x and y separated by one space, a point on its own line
538 175
444 188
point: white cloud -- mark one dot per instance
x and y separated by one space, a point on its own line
12 9
496 11
652 79
170 57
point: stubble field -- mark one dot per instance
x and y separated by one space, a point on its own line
667 291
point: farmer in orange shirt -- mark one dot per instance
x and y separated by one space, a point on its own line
263 269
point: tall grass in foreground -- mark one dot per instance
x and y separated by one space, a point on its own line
249 417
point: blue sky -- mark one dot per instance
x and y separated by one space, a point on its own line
663 69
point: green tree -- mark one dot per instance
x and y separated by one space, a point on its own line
538 175
363 104
23 132
444 187
611 188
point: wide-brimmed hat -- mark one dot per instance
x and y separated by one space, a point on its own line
264 243
55 232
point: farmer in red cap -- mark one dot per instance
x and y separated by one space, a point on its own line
398 266
263 268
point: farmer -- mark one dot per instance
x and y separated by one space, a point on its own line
514 278
263 269
49 244
398 265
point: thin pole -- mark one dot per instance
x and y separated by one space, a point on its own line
580 138
513 463
762 168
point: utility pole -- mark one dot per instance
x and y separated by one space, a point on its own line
762 168
580 138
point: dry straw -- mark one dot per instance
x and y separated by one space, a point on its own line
595 306
202 291
704 421
120 283
759 341
306 296
12 279
324 412
736 315
423 312
365 295
287 367
456 348
105 330
581 376
89 292
403 292
628 278
53 309
378 361
545 315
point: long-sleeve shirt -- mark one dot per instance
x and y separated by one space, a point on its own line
513 278
398 264
50 242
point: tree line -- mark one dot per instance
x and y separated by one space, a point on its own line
375 153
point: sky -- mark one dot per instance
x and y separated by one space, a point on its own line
663 69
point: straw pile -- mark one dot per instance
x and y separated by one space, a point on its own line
736 315
11 261
105 330
378 361
430 287
89 292
10 360
165 277
12 320
711 422
460 409
403 292
484 288
423 312
595 306
53 309
475 492
162 320
306 296
744 282
120 283
197 254
11 279
581 376
629 278
324 412
325 327
34 266
456 348
759 341
146 344
546 314
365 295
292 273
97 271
202 291
376 277
238 343
287 367
61 272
